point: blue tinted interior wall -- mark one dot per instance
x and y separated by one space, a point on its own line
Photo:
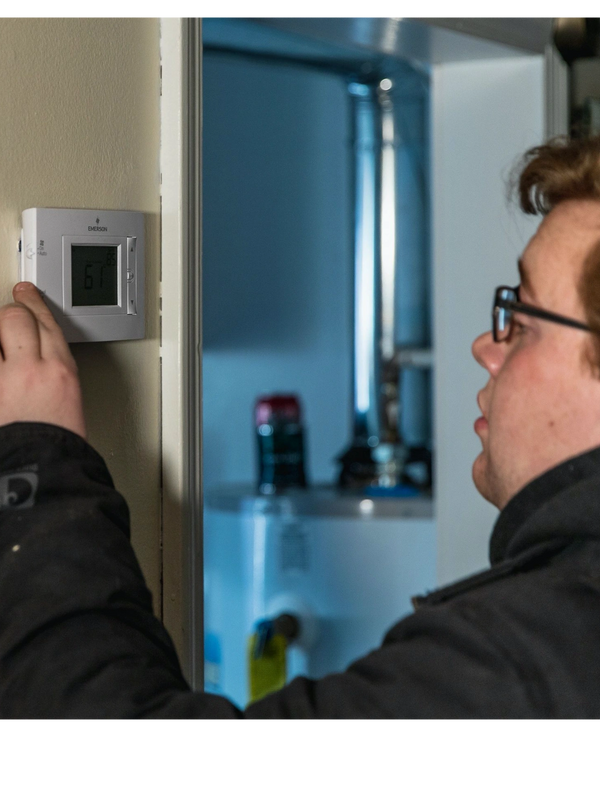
276 258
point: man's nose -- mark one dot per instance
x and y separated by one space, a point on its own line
488 353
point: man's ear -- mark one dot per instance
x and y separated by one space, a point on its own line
589 293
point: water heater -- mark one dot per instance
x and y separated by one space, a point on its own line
343 564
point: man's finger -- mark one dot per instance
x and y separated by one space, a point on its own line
19 333
51 336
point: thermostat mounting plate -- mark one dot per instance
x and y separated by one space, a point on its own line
89 264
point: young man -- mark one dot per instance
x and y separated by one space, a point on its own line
522 639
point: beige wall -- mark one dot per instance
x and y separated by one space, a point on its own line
79 128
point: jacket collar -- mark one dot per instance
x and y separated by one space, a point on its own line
561 503
543 518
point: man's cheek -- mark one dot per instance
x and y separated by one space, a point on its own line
517 396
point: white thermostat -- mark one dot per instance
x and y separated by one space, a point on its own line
90 267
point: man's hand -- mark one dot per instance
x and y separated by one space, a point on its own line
38 374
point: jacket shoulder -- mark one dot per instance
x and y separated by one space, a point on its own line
532 558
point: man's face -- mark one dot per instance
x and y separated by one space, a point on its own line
541 404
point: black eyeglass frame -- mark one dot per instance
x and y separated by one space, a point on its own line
524 308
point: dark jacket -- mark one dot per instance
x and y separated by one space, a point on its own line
78 637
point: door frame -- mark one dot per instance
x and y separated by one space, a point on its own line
181 340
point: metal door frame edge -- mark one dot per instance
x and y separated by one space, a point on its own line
180 349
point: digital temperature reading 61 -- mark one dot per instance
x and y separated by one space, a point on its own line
94 277
89 264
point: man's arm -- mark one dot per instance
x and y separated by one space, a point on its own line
78 637
77 634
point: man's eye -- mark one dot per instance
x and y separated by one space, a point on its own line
518 328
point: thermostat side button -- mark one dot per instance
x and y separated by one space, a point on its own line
131 258
131 308
131 271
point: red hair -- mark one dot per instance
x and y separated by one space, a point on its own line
567 169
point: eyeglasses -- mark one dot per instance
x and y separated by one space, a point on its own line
506 302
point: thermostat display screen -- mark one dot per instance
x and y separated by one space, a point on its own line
94 275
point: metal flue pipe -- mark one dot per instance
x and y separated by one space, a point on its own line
376 455
367 260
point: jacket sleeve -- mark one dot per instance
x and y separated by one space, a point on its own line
435 664
78 637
